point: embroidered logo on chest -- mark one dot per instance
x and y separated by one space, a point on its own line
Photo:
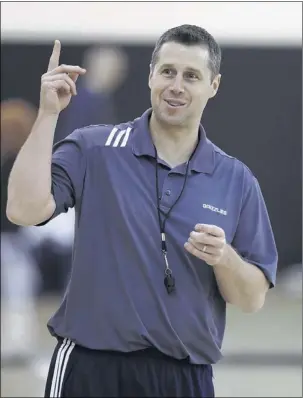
215 209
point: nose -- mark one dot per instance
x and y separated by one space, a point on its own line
177 85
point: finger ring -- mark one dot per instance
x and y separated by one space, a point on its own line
204 249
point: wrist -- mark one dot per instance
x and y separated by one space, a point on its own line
44 113
226 260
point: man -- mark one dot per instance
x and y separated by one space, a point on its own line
168 229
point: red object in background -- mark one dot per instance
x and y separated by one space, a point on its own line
17 119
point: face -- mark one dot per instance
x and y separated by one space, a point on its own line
181 84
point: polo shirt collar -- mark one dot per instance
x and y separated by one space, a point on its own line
203 160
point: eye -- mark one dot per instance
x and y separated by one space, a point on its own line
167 72
191 76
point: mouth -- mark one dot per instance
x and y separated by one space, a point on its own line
174 103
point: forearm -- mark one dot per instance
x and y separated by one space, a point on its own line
241 283
29 186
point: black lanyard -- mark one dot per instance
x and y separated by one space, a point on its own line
169 280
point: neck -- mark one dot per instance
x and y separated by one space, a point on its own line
174 144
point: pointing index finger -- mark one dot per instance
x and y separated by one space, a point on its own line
55 57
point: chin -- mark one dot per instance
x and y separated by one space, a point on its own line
172 120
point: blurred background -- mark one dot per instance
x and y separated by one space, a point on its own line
256 117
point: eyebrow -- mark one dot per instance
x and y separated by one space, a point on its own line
187 69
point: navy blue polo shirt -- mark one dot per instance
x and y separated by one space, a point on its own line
116 298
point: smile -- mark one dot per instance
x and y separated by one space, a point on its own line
175 103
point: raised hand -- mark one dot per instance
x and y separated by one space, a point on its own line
58 84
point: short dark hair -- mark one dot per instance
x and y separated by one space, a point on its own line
191 35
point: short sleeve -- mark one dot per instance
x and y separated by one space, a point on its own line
68 171
254 239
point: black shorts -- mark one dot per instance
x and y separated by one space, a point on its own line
80 372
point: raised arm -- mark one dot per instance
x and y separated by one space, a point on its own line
30 200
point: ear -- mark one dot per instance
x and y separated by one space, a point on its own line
215 85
